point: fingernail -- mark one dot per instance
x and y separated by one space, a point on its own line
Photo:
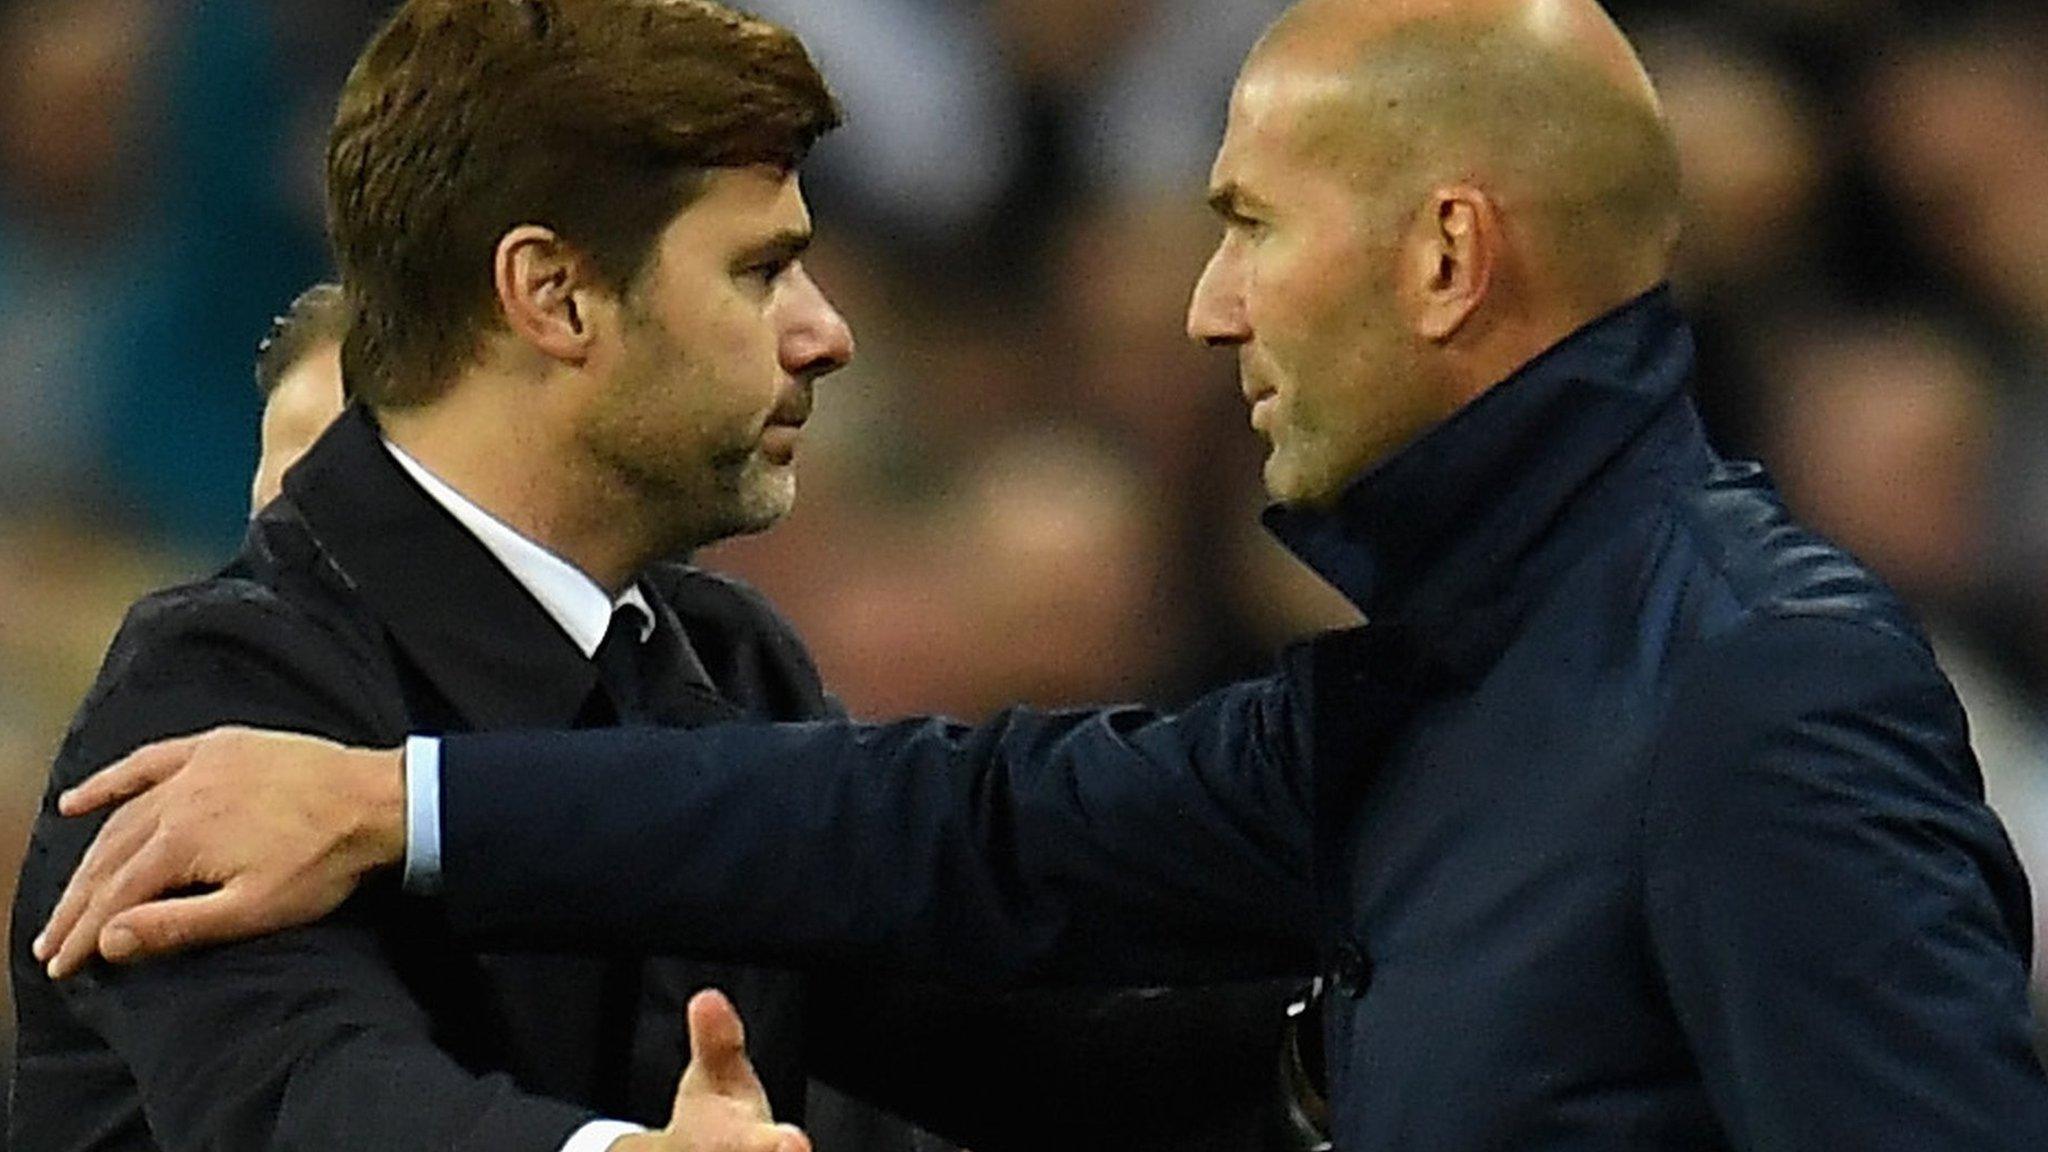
40 947
118 942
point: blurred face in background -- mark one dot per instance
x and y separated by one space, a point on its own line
700 401
73 87
1302 285
306 400
1754 161
1881 435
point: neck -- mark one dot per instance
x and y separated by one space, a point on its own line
514 466
1501 344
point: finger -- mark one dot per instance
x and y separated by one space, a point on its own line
716 1031
117 841
135 773
150 872
718 1052
789 1138
179 924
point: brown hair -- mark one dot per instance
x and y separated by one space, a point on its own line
595 118
319 316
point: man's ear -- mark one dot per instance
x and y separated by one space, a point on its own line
1453 253
546 292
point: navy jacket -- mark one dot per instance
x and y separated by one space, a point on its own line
1636 818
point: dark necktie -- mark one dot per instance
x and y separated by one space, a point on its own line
621 661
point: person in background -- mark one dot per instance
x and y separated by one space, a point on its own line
298 373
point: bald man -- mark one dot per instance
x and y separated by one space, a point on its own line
1637 818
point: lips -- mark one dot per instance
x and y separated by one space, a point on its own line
794 412
1262 411
785 428
1261 399
779 441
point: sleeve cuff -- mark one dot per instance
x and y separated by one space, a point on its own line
598 1135
423 827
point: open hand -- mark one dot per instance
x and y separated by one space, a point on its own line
274 829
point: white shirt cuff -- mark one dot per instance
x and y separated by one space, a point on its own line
598 1135
423 824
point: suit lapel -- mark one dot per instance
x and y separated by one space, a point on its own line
680 691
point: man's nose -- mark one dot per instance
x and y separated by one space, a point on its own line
1216 314
818 340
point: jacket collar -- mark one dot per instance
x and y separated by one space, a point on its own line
454 609
1437 545
573 599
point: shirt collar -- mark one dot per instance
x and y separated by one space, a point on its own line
575 601
1437 543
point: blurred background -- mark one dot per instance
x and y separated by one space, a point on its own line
1031 486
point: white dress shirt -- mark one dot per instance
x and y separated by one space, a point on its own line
584 612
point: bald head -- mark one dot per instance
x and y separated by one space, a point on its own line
1418 198
1542 104
1578 29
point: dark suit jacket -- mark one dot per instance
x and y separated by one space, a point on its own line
359 610
1637 818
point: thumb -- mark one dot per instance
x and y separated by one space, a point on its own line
718 1055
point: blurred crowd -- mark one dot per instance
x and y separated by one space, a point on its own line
1031 486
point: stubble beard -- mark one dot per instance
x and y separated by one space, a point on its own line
749 493
731 492
669 476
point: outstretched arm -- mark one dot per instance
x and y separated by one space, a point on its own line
1107 846
1119 845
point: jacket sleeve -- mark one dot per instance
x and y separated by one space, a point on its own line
1839 919
307 1039
1118 846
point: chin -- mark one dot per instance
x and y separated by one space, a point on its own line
1285 482
1294 486
765 501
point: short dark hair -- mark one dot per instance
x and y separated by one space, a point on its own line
319 316
596 118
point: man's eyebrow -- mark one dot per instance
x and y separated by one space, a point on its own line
1231 202
784 246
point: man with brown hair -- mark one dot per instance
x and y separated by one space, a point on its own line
583 341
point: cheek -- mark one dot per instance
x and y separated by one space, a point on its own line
719 362
748 362
1303 342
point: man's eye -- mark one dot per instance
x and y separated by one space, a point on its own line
770 271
